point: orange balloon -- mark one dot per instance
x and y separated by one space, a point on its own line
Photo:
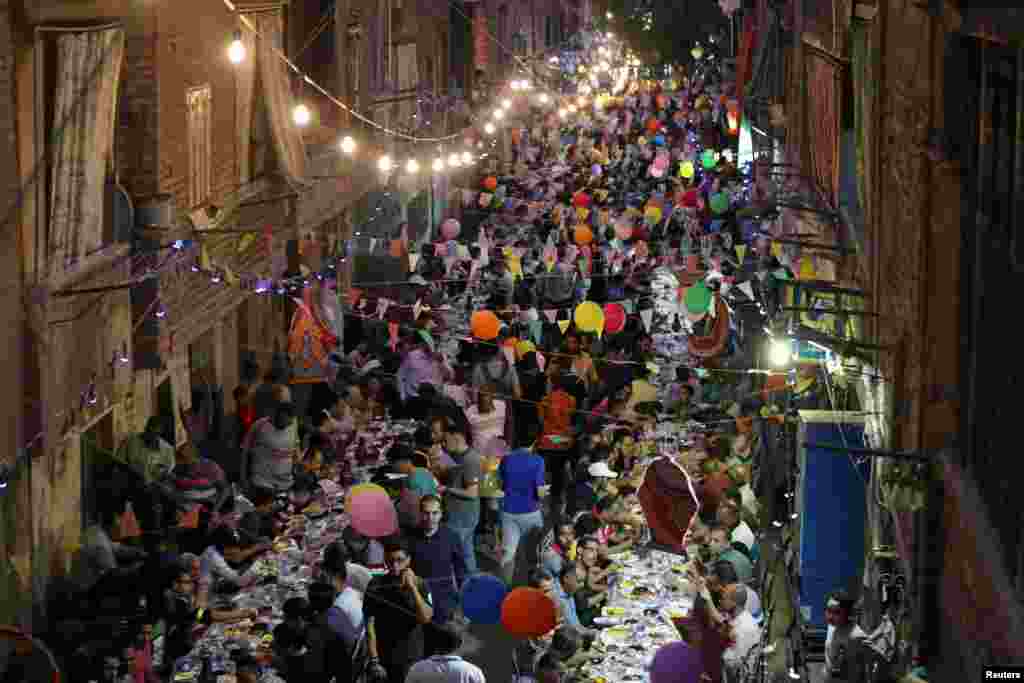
583 235
528 613
490 183
652 125
484 325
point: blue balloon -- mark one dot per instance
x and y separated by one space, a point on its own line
659 140
482 596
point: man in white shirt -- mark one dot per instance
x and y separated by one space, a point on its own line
446 666
746 631
346 616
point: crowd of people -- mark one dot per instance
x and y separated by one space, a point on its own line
533 447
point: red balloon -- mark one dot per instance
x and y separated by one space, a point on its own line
614 318
690 199
528 613
581 200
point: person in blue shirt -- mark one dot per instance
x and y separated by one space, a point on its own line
523 485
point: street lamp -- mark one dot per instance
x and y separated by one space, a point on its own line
236 51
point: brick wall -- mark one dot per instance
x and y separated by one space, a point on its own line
138 121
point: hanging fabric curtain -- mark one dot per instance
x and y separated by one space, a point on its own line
88 70
291 153
246 74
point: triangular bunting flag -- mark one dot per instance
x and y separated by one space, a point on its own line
382 307
807 271
777 250
414 260
396 248
204 258
646 317
629 306
563 325
747 288
536 330
373 244
510 354
741 252
551 315
417 308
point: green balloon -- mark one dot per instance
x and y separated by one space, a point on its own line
719 202
698 298
708 159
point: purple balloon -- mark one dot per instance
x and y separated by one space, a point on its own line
676 663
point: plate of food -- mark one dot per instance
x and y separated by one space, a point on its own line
617 634
613 612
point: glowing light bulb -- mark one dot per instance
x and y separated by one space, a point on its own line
385 164
499 113
412 167
467 158
514 85
609 15
438 165
605 66
348 145
544 99
489 128
563 113
527 85
506 104
553 60
780 352
302 115
236 50
610 35
572 108
453 160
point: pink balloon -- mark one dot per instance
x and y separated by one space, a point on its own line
623 230
450 229
373 514
656 172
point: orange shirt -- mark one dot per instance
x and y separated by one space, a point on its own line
556 416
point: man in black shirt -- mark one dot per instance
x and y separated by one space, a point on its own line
396 607
437 556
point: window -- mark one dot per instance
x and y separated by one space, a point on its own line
200 156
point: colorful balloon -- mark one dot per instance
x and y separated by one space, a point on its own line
482 598
614 318
528 613
484 325
623 230
490 183
371 512
709 159
583 235
686 170
719 202
589 317
698 298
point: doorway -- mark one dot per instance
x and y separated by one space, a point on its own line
165 410
97 449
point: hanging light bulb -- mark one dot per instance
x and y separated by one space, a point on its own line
697 52
506 104
605 66
527 85
780 352
572 109
453 160
553 60
563 113
499 113
514 85
236 50
412 167
543 97
489 128
348 145
609 15
301 115
385 164
609 35
438 165
467 158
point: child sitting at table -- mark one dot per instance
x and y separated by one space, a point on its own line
593 590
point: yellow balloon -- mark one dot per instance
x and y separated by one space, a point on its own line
589 317
524 347
686 170
653 214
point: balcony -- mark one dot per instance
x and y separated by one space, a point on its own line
73 12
